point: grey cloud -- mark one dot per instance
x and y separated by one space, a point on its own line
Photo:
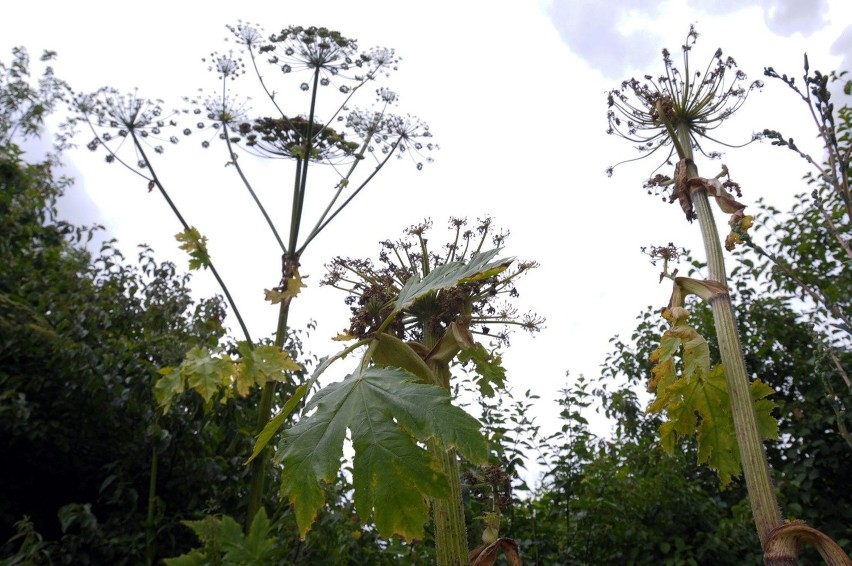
843 48
786 17
589 29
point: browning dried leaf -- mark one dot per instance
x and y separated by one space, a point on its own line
681 192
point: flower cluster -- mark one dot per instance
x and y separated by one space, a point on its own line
226 66
373 288
676 109
114 117
405 135
288 137
332 58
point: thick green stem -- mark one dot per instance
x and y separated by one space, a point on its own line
761 494
150 531
448 514
264 412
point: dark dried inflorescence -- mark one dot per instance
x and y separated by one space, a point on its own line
373 288
288 137
667 253
491 483
650 113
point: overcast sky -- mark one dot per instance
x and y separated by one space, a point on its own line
515 94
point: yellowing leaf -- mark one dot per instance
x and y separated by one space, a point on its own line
293 287
487 273
697 401
263 363
205 373
170 385
193 242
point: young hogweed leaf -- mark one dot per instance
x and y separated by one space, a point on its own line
224 539
388 414
697 401
261 364
196 245
446 276
169 386
287 291
256 548
489 368
211 372
205 373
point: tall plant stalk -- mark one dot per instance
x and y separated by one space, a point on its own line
677 111
334 63
764 505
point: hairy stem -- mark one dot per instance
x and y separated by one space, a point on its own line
448 514
764 506
264 411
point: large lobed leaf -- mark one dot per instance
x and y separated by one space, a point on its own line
389 415
449 275
697 401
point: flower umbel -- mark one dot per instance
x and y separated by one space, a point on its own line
113 116
326 53
650 113
373 287
287 137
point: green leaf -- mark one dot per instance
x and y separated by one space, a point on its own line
394 475
767 425
193 242
264 363
170 385
204 373
444 277
489 368
389 414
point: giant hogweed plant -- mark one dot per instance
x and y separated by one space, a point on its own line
397 401
315 124
415 313
730 416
